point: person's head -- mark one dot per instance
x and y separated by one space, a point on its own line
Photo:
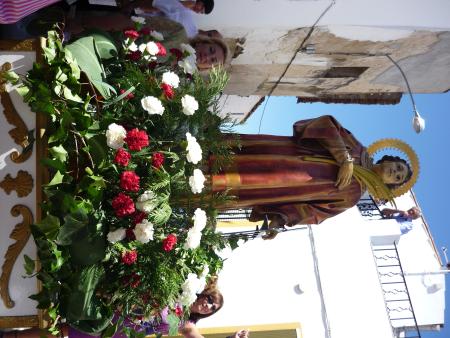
210 51
414 212
207 303
203 6
393 170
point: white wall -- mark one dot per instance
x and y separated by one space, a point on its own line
258 282
402 14
19 287
259 278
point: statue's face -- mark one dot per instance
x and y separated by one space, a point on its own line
393 172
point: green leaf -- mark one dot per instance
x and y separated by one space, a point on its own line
23 90
49 53
60 76
86 251
98 149
49 226
59 153
11 76
72 224
174 322
83 51
104 43
29 265
70 96
57 179
72 64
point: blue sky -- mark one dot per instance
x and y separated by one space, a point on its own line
372 122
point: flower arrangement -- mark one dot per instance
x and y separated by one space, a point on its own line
129 222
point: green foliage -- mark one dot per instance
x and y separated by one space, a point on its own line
84 279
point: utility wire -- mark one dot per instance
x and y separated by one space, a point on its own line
333 2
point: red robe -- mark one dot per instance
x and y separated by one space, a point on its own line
269 174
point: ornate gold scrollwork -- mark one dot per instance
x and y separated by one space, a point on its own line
22 184
3 79
21 135
20 234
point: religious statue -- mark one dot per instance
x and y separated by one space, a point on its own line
319 172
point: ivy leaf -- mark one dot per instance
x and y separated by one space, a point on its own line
59 153
57 179
29 265
49 226
70 96
72 224
174 322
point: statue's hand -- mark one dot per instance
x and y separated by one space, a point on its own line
344 176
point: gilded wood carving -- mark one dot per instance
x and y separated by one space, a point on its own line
3 79
21 135
22 184
20 234
18 321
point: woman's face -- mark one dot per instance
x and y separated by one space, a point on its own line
208 54
393 172
204 305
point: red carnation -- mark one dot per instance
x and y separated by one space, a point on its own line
123 205
122 157
177 53
152 65
129 234
178 311
129 181
145 31
129 95
131 33
168 91
129 257
136 139
134 56
157 160
139 216
169 242
162 50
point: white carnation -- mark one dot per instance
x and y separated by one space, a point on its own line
157 35
189 64
115 136
197 181
190 288
190 104
138 19
193 239
199 219
187 48
203 276
133 47
152 48
142 47
116 235
171 79
144 231
194 152
146 202
152 105
205 271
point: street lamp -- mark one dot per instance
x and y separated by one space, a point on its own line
418 122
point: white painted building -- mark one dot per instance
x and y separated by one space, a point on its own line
331 281
334 51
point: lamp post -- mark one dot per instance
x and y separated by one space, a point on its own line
418 122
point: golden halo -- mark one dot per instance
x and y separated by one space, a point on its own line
405 148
